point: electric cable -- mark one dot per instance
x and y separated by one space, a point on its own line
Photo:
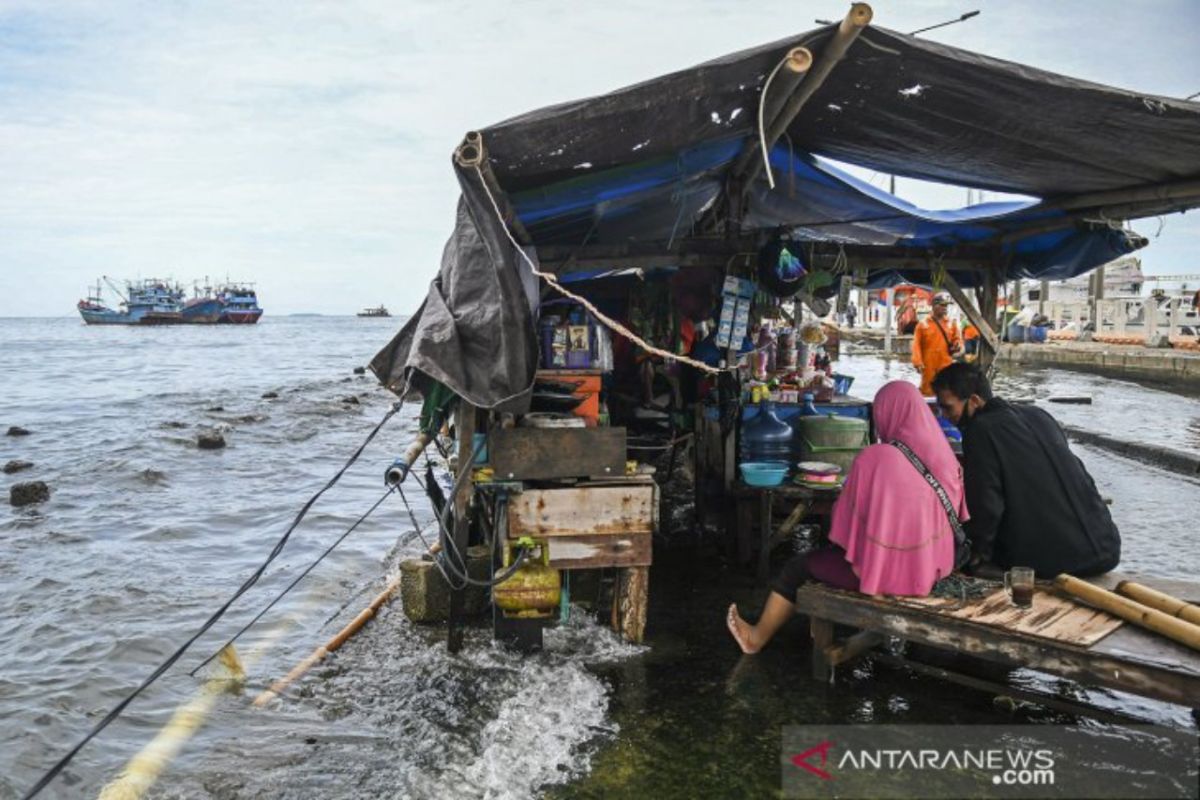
116 711
293 584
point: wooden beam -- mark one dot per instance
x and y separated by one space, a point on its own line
853 647
465 429
986 332
1186 191
1062 705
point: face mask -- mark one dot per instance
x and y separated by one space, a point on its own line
967 413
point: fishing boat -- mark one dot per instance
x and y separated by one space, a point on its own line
204 307
239 304
374 312
147 302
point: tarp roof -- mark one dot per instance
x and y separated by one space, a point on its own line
896 103
641 164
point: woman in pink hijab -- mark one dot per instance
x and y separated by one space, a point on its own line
890 533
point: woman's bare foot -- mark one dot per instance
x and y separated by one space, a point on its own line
742 631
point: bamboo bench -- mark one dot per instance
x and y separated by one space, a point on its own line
1122 657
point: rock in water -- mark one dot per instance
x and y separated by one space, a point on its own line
360 370
16 466
270 395
17 430
23 494
210 441
350 400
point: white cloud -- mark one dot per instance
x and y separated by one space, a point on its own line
306 145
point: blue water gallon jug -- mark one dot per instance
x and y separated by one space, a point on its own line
765 437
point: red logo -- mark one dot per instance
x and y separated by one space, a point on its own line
822 749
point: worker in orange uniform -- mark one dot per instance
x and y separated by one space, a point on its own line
936 343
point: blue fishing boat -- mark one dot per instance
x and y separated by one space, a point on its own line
204 307
148 302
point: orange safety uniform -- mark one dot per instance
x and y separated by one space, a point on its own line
929 351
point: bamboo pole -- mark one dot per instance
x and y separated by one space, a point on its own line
856 19
339 639
1160 600
471 153
1173 628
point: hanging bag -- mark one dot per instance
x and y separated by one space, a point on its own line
962 545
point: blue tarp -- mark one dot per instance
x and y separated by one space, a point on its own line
814 201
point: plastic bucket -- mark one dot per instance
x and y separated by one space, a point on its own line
832 438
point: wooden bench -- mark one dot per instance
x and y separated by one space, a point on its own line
1080 646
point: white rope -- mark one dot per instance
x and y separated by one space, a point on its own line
612 324
762 133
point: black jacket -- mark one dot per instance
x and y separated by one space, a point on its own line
1032 503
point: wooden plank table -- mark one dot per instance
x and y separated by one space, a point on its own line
1129 658
803 499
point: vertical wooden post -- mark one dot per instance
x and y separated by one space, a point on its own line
1044 298
1174 306
887 322
462 524
1096 295
991 293
822 637
766 511
630 603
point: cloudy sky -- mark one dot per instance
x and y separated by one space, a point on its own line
306 145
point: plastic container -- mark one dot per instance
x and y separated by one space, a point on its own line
832 438
842 383
1036 334
764 473
766 437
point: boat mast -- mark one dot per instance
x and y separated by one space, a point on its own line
113 286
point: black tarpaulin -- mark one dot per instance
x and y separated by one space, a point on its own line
475 331
895 103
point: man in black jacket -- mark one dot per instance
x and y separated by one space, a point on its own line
1032 502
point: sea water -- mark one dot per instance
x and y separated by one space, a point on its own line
145 535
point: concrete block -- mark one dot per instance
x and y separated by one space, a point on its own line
426 595
1158 341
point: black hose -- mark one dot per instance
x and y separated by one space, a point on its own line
61 764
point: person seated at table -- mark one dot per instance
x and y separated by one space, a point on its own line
1035 503
890 532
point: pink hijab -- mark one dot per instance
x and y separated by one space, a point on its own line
888 520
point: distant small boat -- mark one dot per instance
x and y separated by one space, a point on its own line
374 312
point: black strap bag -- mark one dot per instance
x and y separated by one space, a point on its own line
962 545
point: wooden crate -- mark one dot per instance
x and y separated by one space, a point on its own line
523 454
583 510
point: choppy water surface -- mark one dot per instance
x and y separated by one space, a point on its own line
145 535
